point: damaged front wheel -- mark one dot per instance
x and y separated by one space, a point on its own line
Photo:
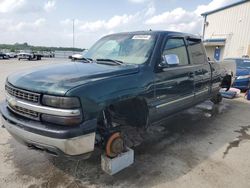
114 145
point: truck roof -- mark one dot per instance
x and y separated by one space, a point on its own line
156 32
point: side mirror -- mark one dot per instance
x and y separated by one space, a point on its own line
169 60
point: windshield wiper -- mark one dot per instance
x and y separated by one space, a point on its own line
118 62
89 60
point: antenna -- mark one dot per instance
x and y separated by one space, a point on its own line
73 35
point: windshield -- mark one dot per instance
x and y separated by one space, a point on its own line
132 49
243 63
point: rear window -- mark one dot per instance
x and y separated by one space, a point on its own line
196 53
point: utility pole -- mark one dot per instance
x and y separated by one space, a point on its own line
73 35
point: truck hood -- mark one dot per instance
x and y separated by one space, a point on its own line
58 79
242 72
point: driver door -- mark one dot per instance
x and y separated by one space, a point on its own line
174 84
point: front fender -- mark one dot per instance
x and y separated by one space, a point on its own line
95 96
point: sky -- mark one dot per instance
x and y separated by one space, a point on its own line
50 22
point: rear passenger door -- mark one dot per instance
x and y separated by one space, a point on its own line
174 85
202 70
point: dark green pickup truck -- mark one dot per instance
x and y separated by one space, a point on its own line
135 79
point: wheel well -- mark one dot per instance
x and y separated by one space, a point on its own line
132 112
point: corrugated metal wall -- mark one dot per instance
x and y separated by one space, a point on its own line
234 25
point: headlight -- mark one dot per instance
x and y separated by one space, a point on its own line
59 120
61 102
243 77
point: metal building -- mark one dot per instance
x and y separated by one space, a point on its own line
226 31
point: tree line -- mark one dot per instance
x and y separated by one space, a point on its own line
25 46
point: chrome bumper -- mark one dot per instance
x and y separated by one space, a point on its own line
72 146
72 142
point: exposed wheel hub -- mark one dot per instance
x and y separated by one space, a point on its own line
114 145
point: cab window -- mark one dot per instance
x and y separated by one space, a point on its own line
177 46
196 53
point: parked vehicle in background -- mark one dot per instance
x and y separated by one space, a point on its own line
49 54
29 56
242 80
12 55
24 55
3 56
229 67
128 79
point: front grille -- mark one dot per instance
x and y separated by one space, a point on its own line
24 112
21 94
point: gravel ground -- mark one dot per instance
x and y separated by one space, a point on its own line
205 146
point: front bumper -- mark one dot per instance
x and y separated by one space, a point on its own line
57 140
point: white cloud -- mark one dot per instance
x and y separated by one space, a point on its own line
115 23
66 21
191 27
183 20
35 29
150 11
109 24
49 5
176 20
3 24
13 26
178 15
34 32
26 6
138 1
11 5
212 6
40 22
